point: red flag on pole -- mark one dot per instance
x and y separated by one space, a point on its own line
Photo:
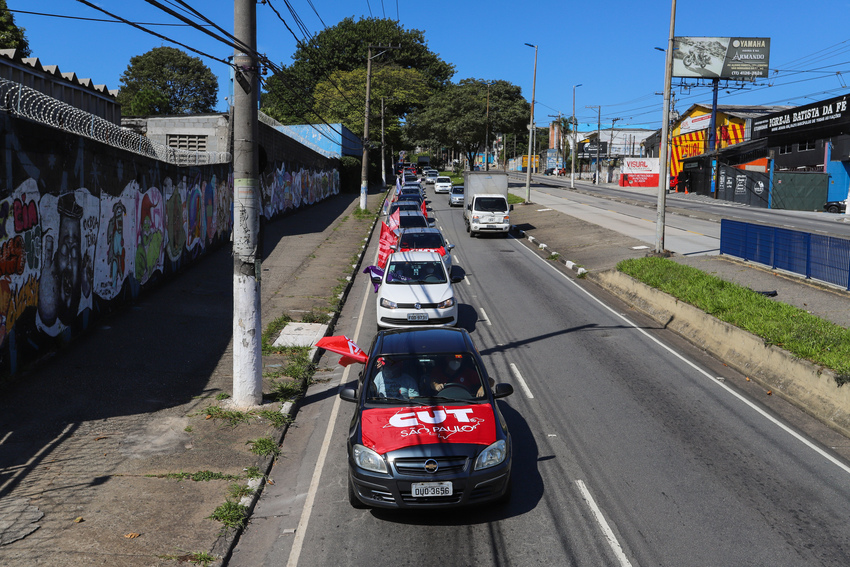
393 220
388 238
424 210
341 344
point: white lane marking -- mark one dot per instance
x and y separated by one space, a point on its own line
521 381
606 529
484 316
301 531
728 389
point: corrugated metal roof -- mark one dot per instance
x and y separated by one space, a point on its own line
13 55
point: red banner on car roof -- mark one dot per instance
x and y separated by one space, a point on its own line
388 429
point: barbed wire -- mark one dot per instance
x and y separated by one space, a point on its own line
29 103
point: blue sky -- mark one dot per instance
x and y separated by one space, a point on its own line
608 47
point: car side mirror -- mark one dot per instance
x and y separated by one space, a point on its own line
510 207
450 247
457 279
502 390
394 247
376 279
350 394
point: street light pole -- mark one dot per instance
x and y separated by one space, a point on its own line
664 175
573 154
487 135
531 129
364 167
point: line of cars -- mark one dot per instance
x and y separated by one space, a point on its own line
427 431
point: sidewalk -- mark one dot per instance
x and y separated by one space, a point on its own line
94 441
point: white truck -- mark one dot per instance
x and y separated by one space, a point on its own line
486 207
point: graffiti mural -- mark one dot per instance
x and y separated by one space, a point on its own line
85 227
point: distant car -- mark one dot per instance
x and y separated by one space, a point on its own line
549 171
415 290
428 239
410 190
431 176
410 178
411 445
456 196
443 184
835 207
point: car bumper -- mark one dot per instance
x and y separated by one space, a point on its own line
490 227
382 491
397 318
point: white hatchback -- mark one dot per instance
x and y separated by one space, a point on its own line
415 291
443 184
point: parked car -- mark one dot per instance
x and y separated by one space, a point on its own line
835 207
430 239
443 184
415 290
456 196
411 445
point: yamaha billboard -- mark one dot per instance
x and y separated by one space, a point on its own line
735 58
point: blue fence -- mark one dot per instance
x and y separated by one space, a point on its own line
815 256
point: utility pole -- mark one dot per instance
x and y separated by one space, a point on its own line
573 156
383 164
611 141
598 139
364 169
664 174
531 129
487 135
247 249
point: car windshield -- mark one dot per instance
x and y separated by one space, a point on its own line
422 240
444 180
413 221
431 174
492 204
408 273
457 190
406 206
441 377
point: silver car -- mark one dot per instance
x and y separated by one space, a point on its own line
456 196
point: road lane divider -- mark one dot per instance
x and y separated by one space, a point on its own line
603 525
521 381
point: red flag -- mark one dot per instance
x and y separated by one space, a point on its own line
388 238
424 210
394 220
341 344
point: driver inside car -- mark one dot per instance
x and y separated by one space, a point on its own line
457 370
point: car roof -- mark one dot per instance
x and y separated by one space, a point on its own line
415 256
420 230
411 213
423 341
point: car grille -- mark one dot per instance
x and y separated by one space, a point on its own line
453 499
405 322
416 466
413 306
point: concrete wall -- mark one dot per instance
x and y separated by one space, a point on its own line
85 227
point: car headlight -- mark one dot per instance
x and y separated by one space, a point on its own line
446 304
507 218
366 458
475 218
387 303
493 455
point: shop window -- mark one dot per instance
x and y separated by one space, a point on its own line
807 145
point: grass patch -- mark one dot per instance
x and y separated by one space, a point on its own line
264 446
272 331
253 472
286 390
554 256
200 476
222 396
316 317
800 333
230 514
232 417
277 419
197 558
515 199
238 491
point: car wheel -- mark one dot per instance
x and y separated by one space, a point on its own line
352 497
832 209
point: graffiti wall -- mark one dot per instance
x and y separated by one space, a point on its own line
86 228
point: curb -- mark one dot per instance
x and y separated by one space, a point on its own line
581 272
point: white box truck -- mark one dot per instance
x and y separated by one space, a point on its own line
486 206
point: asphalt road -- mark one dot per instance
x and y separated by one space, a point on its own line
628 449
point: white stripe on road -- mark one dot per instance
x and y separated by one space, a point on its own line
521 381
606 529
484 316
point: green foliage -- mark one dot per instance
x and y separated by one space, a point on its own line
515 199
238 491
264 446
796 331
231 515
294 95
349 174
200 476
458 116
272 331
166 80
232 417
11 36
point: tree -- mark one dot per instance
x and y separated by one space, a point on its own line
457 116
290 95
11 36
166 80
